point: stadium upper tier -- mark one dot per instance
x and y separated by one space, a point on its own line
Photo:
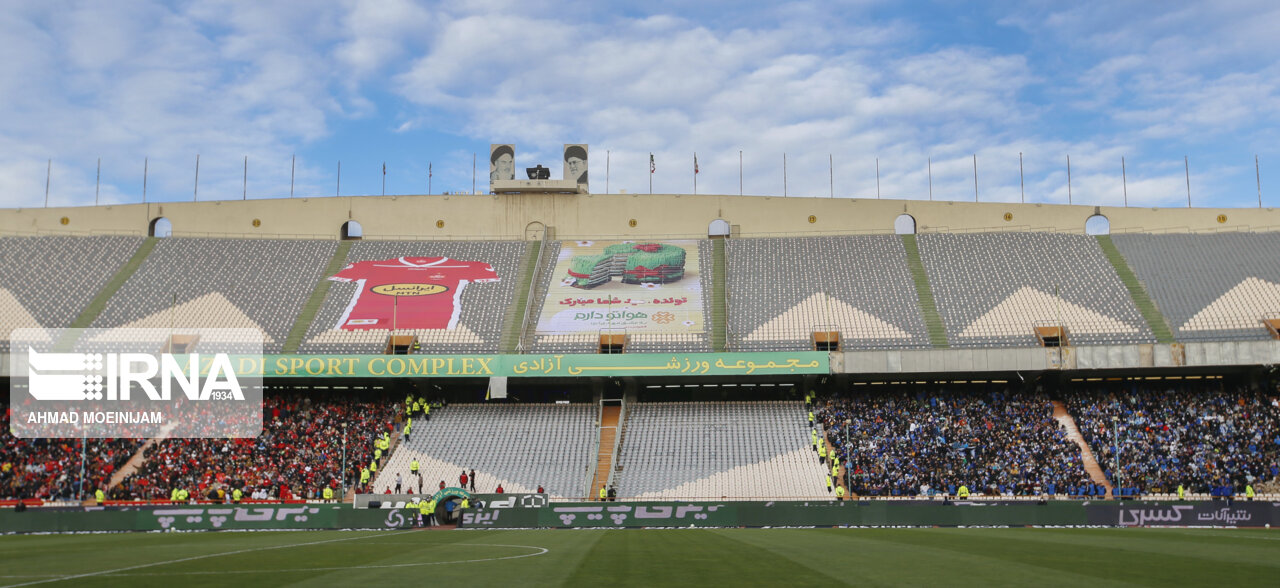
665 295
220 283
991 289
1210 287
48 281
782 290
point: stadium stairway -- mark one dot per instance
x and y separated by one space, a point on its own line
924 293
719 296
308 314
1155 319
606 446
1090 462
99 302
139 458
513 322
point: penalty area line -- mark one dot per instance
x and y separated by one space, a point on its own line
196 557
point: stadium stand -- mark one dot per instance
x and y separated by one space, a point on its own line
992 289
1212 438
483 306
781 290
49 469
220 283
300 448
1214 287
47 281
710 450
519 446
924 442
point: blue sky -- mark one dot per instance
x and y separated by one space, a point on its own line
414 84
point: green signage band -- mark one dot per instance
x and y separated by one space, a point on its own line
525 366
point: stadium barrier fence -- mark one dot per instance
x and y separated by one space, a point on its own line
533 511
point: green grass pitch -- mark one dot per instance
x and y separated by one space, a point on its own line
706 557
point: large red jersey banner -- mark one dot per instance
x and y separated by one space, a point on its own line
409 292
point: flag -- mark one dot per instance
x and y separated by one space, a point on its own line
695 163
652 166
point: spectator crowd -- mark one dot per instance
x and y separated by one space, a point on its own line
1209 437
921 441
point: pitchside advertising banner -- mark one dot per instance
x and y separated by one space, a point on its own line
524 366
633 286
112 383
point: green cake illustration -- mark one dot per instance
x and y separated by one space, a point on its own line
635 263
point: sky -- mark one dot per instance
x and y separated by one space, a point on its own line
859 98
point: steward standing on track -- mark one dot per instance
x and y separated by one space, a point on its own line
603 493
236 495
327 494
839 492
1248 493
963 492
427 509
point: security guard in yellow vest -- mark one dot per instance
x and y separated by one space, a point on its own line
364 477
466 503
822 453
963 492
173 495
373 467
413 466
100 497
811 419
835 467
407 427
183 494
1248 492
327 493
415 408
813 435
1182 492
828 482
839 492
603 494
427 510
426 412
236 495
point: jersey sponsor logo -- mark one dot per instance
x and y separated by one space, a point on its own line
409 289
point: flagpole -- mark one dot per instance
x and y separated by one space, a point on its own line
430 174
695 173
651 170
384 178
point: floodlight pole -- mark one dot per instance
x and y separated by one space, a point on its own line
195 191
1124 181
83 436
343 481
